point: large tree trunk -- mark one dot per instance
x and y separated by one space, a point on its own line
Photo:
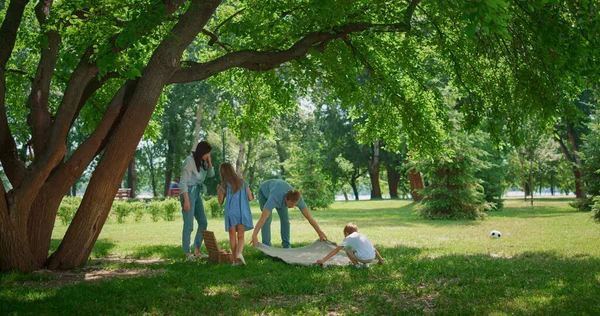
579 184
170 160
152 172
74 189
248 160
131 177
14 245
282 155
531 177
575 161
83 232
522 163
374 172
197 126
353 185
240 160
393 179
416 184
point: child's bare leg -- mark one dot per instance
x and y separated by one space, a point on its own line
240 239
232 239
351 256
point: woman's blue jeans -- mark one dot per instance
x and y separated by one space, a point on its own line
196 211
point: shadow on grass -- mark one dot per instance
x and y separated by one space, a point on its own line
409 282
533 212
158 251
101 249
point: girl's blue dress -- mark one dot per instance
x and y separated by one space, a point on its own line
237 208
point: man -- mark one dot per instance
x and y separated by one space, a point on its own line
280 195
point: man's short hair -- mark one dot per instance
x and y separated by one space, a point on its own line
350 228
293 196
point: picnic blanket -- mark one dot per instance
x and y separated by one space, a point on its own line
307 255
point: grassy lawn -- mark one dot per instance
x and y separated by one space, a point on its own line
547 262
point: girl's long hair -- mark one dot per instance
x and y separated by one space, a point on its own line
202 149
228 175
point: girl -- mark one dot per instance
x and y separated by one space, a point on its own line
237 209
196 168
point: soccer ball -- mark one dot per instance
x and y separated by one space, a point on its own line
495 234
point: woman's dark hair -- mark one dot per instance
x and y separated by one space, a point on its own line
202 149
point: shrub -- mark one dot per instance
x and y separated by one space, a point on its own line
138 209
596 208
155 210
215 209
169 207
453 191
122 210
67 209
582 205
66 213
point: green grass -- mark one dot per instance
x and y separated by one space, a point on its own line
547 262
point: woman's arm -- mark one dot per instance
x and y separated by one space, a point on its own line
183 184
221 194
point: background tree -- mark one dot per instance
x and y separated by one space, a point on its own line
590 152
571 126
453 191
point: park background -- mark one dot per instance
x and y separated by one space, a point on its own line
438 111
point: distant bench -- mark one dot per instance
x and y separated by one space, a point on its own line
123 193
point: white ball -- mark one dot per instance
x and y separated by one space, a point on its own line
495 234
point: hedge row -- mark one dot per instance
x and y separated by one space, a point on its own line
137 208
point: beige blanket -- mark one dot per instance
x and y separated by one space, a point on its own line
307 255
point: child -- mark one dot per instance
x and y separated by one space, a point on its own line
237 209
358 248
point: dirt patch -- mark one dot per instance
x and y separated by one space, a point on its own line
127 260
92 274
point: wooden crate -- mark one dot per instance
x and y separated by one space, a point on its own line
215 253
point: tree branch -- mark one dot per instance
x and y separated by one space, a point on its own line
39 116
68 172
94 85
13 167
263 61
9 28
410 11
228 19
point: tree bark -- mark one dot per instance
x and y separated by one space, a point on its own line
197 128
355 175
282 155
523 178
416 184
374 172
576 164
248 160
240 160
531 177
393 179
79 239
131 178
152 172
170 159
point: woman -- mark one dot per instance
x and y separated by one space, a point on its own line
196 168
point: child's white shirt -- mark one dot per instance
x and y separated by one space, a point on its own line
360 245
